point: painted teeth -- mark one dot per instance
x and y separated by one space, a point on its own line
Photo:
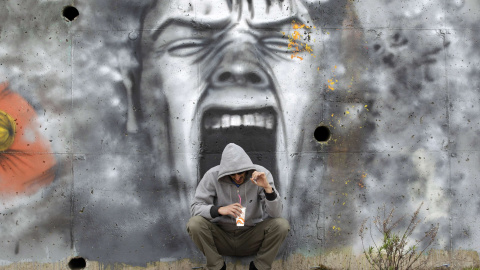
262 120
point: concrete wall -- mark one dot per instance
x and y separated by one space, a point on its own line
109 120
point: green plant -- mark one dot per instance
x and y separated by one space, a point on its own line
396 252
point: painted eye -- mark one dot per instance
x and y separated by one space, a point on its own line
186 47
277 44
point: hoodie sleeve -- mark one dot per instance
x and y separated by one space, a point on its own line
204 197
273 207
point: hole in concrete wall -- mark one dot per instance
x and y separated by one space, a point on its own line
322 134
70 13
77 263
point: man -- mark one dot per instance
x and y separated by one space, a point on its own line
218 202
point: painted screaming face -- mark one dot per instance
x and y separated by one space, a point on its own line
215 72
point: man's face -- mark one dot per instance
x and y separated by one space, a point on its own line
229 73
239 178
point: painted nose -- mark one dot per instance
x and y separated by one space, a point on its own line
240 67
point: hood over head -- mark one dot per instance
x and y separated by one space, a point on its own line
234 160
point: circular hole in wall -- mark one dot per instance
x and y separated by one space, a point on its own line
77 263
70 13
322 134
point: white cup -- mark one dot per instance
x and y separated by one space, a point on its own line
241 219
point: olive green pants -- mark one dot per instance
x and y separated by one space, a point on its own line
263 240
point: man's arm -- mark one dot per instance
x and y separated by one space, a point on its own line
204 197
273 203
203 204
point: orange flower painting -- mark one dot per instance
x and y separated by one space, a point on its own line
26 160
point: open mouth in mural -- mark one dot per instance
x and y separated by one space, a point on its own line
254 130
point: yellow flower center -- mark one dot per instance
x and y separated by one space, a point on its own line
7 130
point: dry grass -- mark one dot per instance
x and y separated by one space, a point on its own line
397 250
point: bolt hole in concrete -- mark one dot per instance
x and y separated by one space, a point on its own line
77 263
322 134
70 13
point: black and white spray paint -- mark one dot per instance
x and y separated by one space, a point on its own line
139 98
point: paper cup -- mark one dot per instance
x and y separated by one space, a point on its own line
241 218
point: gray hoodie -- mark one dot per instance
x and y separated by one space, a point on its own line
216 189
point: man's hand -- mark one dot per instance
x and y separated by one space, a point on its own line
233 210
260 179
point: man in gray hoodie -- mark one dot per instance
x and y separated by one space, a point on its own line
219 199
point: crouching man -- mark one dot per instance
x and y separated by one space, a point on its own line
217 226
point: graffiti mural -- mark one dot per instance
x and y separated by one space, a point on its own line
110 117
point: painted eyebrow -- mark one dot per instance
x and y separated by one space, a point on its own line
182 22
275 24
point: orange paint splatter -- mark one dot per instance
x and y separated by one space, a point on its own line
308 48
27 164
296 26
361 183
331 82
296 35
295 44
